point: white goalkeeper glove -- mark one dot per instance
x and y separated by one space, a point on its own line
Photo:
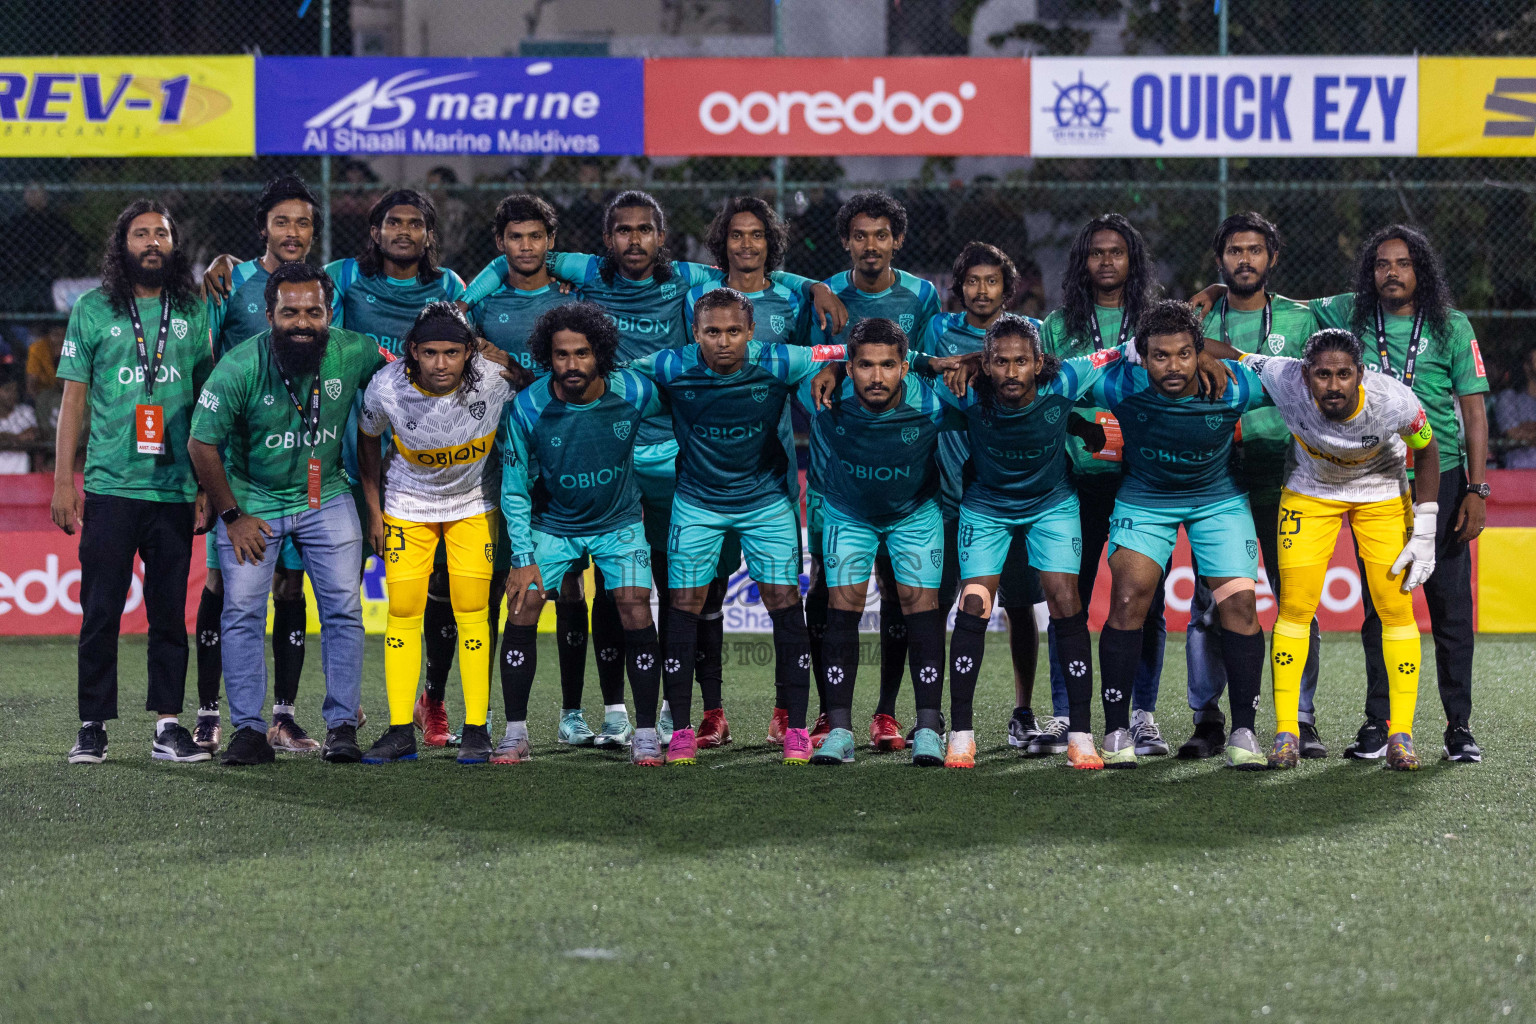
1418 555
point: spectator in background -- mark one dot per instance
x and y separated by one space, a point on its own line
18 424
43 359
581 223
1515 417
349 208
452 215
44 247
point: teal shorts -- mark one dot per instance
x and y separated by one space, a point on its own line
621 555
1220 534
814 521
288 556
1054 537
770 537
915 544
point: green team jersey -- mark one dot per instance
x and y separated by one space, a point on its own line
781 313
911 301
734 451
505 318
101 352
1056 341
568 470
951 334
1018 457
1265 439
246 407
1448 364
878 467
243 312
384 308
1178 451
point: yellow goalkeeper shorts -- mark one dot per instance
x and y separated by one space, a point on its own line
1309 527
409 547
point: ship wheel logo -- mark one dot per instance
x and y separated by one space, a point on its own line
1080 110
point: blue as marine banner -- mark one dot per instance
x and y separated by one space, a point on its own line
450 105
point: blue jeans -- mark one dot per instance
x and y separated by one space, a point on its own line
330 540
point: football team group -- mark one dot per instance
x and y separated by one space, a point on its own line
636 413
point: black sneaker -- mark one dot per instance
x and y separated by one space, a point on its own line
207 733
1208 740
1022 728
175 743
1312 746
90 746
1459 746
474 745
341 745
397 744
249 746
1370 743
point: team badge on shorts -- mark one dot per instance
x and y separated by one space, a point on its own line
642 558
1253 548
1213 421
936 556
1053 414
909 434
490 552
831 561
760 392
621 430
477 410
776 323
1077 547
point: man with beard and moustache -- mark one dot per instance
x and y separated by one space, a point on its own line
1401 311
136 349
873 228
1352 432
568 492
1178 444
1109 283
644 291
873 445
287 214
1250 319
279 404
524 230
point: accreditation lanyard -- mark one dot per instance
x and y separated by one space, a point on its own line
1413 345
1098 339
309 423
1268 321
149 419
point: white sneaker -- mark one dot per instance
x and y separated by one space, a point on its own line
1148 737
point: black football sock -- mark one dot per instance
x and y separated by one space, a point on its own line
210 656
1119 654
644 674
925 646
1243 657
792 662
1076 653
677 665
842 651
440 638
571 634
498 591
709 657
608 635
288 625
519 659
893 653
816 627
966 648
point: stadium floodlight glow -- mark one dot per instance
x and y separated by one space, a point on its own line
826 113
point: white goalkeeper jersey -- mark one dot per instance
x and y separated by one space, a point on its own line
441 464
1361 459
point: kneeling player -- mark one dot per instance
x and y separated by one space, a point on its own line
1018 413
568 491
1352 430
872 449
440 482
1178 446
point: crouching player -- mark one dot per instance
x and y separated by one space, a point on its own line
1018 415
568 491
1352 430
440 481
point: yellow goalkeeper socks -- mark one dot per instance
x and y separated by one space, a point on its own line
475 664
1401 654
402 665
1288 659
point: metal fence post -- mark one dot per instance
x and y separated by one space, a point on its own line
325 160
1221 162
778 161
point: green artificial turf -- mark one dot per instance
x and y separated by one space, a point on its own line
579 888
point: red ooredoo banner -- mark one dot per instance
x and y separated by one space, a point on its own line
797 106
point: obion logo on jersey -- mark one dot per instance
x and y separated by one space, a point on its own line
834 107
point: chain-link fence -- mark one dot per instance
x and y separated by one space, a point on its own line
1480 212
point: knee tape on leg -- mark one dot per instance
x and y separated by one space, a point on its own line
1233 586
981 592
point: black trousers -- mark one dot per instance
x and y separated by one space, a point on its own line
1449 596
114 530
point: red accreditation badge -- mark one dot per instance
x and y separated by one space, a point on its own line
314 483
1113 441
149 429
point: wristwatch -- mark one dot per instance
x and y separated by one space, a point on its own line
229 515
1481 490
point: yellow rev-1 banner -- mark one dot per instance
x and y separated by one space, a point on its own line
128 106
1477 106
